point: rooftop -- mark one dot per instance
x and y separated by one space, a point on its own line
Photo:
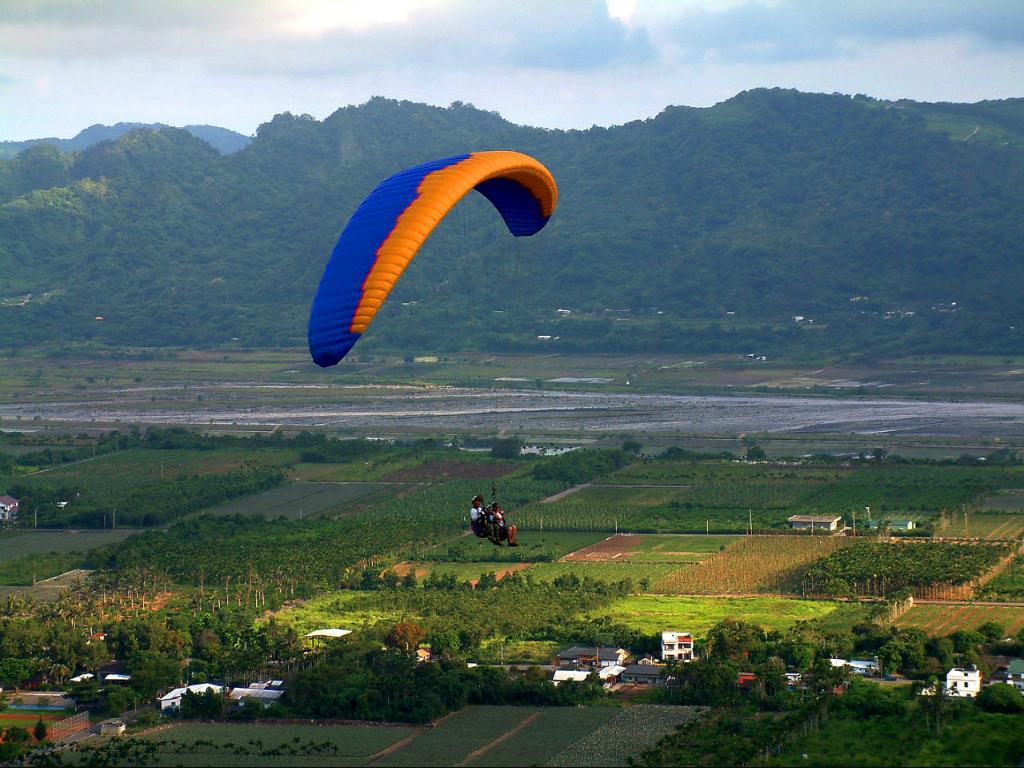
814 518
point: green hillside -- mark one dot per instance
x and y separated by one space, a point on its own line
699 230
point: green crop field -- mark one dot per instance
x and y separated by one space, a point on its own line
654 613
345 610
534 546
621 740
1008 585
655 548
727 496
943 619
458 736
985 526
461 571
299 500
555 730
15 544
244 744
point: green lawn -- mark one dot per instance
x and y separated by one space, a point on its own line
654 613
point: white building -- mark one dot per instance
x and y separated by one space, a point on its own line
172 699
863 667
814 522
676 646
964 683
8 509
265 696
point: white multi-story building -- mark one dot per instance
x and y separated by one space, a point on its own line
676 646
964 683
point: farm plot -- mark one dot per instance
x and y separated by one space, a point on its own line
555 730
17 544
534 546
655 613
458 737
299 500
985 526
624 737
1005 500
1008 585
653 548
350 610
243 744
751 565
940 619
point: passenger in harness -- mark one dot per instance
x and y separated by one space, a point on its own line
478 518
500 529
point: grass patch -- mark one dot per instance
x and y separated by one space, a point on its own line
345 610
608 570
940 620
654 613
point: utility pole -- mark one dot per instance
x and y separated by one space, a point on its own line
855 523
750 522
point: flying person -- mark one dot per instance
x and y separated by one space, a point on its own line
501 529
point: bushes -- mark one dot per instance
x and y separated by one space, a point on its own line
581 466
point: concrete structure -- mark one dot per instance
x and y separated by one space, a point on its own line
591 657
8 509
172 699
676 646
112 728
963 683
814 522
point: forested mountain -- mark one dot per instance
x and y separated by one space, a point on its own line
221 139
888 227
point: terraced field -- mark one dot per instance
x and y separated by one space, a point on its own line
943 619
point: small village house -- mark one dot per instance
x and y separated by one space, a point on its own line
676 646
171 700
591 657
607 675
644 674
265 696
862 667
423 654
8 509
1015 674
814 523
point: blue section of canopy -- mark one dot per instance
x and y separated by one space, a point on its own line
341 287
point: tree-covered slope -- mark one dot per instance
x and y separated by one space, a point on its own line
698 230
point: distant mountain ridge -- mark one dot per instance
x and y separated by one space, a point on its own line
223 140
776 222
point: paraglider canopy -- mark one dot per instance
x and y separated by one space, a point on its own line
396 218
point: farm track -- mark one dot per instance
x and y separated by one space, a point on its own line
506 735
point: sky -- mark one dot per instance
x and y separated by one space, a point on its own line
67 64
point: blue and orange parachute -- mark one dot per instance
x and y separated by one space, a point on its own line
396 218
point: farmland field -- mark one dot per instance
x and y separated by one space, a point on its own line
753 564
654 613
555 730
986 526
1006 500
534 546
272 745
1008 584
458 736
346 610
298 500
461 571
943 619
654 548
15 544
